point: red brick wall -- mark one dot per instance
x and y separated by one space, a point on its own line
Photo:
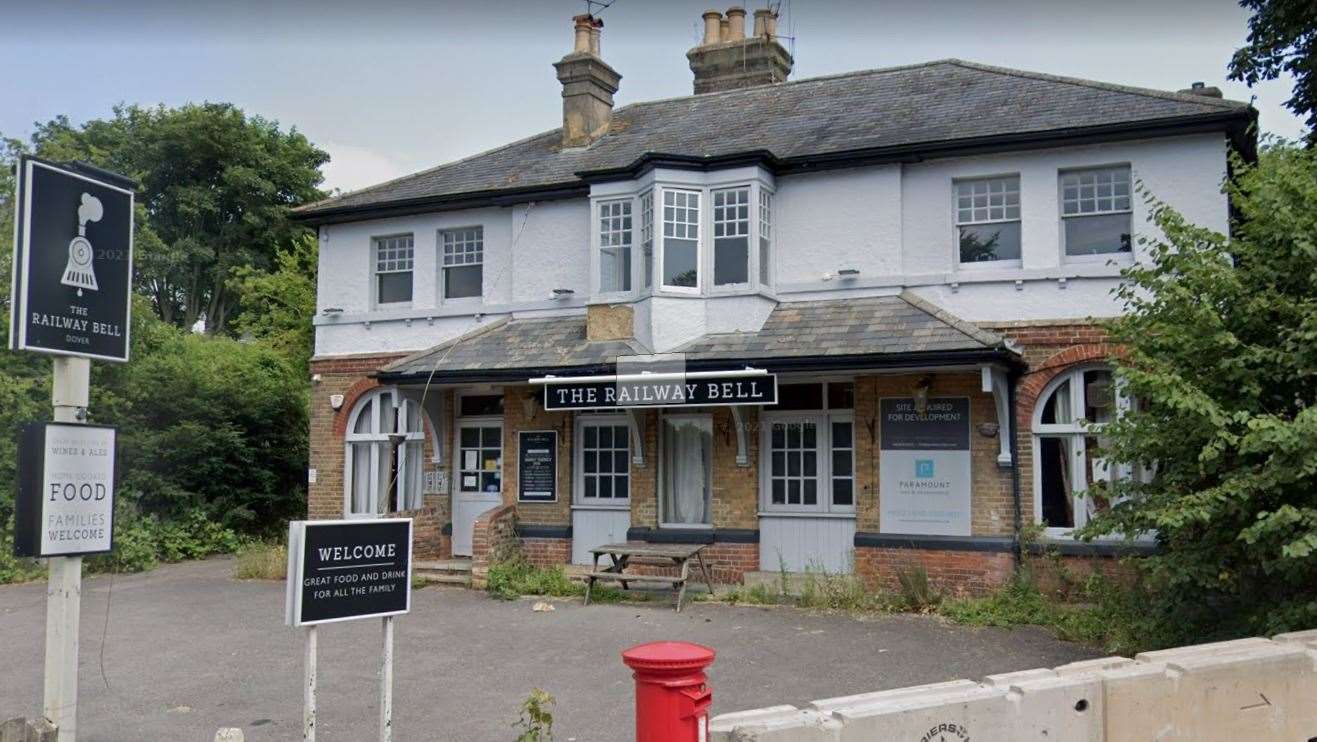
953 572
547 552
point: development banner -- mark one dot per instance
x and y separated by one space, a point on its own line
924 467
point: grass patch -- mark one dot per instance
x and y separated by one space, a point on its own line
261 560
509 580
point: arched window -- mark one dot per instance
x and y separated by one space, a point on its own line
384 455
1067 433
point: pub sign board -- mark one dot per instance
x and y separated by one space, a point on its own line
66 477
341 570
537 465
635 391
73 258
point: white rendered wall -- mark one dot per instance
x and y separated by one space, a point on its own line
837 219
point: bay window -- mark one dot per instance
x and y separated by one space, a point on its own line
808 440
647 236
731 236
681 240
765 237
615 246
1096 212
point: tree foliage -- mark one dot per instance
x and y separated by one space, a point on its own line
215 189
1282 37
1220 346
279 304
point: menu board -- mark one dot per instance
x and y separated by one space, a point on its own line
537 465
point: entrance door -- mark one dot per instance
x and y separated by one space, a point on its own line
479 482
601 500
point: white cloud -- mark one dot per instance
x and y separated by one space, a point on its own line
351 167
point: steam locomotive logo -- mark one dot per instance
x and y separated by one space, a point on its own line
78 272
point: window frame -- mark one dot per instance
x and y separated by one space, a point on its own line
630 203
1078 431
579 500
461 421
956 223
764 208
376 439
662 239
442 266
375 271
1119 256
751 235
823 418
707 419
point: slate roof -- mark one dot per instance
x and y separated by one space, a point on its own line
946 101
878 326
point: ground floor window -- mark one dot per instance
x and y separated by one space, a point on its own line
603 461
480 456
385 455
808 445
1067 439
687 470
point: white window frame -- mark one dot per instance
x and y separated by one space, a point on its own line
822 419
443 266
645 204
662 238
1077 431
956 222
375 272
1061 175
377 439
579 500
751 241
461 421
597 239
764 242
707 418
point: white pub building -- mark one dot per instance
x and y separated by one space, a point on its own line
884 289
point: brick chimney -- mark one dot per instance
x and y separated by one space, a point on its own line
1199 88
727 59
588 84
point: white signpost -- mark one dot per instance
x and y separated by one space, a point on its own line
72 281
344 570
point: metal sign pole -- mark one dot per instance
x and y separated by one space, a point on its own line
69 395
386 683
309 688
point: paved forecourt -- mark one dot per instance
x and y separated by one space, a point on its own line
188 650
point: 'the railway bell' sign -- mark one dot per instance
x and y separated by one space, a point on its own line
73 248
65 503
661 390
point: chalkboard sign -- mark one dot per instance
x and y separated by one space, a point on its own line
537 465
339 570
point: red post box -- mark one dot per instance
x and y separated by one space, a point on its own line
672 697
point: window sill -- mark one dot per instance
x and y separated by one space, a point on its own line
623 507
991 265
799 514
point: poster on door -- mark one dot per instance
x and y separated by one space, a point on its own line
924 467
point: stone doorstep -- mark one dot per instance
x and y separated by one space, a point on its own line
444 571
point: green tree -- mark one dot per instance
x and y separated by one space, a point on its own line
278 305
215 189
1282 37
1221 355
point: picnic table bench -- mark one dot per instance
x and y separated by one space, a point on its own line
662 555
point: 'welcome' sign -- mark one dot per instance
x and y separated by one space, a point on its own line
340 570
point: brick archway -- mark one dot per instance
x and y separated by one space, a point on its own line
354 393
1036 379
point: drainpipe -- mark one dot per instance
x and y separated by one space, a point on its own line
1013 403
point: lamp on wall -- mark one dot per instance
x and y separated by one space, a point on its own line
922 388
528 406
335 401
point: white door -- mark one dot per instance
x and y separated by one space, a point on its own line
479 483
601 486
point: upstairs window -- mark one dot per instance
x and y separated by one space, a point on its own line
731 236
1096 212
647 235
393 269
988 219
463 262
765 237
615 246
681 240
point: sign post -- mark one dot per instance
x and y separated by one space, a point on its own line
344 570
72 278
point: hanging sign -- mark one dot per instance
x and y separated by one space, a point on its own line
537 465
924 467
340 570
73 257
636 391
65 503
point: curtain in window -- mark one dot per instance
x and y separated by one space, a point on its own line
361 456
688 460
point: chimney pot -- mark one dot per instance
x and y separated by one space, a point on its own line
724 30
761 22
596 30
584 29
735 23
712 20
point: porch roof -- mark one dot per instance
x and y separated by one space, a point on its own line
876 331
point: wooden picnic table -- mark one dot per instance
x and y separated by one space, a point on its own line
662 555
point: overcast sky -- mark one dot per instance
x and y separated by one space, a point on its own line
388 88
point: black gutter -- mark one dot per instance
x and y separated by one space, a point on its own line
803 363
1237 124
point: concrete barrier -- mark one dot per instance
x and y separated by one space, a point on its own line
1248 689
